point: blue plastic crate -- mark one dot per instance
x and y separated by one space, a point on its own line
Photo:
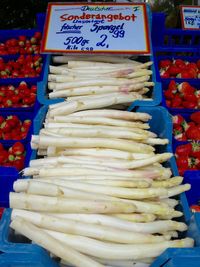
33 108
43 90
193 177
173 40
24 259
22 116
9 34
29 79
176 257
6 184
40 20
16 244
178 80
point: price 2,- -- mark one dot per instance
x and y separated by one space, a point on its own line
85 42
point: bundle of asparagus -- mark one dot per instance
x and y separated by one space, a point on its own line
100 196
121 81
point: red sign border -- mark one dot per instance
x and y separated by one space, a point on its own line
46 28
182 20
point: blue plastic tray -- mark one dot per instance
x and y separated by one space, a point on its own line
165 84
173 40
33 108
179 80
43 90
6 184
29 79
31 259
40 19
17 244
22 116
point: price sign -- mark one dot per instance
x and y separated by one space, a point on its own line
96 28
190 17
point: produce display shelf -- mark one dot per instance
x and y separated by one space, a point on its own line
17 250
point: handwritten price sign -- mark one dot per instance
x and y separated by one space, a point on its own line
96 28
190 17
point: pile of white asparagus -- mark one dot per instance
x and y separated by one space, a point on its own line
108 81
100 195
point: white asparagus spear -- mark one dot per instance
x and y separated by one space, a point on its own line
143 182
174 181
98 73
80 142
95 90
117 223
93 230
55 204
101 102
106 153
173 191
57 70
39 187
86 64
45 240
107 59
57 125
89 132
114 114
61 188
103 121
118 252
62 171
156 141
119 183
137 95
66 78
130 164
170 201
120 192
136 217
97 82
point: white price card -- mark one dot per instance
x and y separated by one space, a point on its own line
190 17
96 28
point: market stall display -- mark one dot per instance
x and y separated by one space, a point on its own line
102 186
